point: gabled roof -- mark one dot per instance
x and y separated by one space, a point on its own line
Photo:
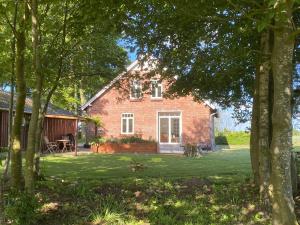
52 110
110 84
131 67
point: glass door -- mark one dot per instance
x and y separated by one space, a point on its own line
164 130
169 128
175 130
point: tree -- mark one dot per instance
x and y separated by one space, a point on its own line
264 115
86 50
16 157
282 67
36 104
215 52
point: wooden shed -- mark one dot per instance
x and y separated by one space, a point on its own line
58 122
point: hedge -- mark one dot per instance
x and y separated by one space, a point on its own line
232 138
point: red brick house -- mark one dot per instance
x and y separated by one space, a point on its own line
170 122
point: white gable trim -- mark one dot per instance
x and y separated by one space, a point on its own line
103 90
210 105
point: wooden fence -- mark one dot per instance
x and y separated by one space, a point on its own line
3 128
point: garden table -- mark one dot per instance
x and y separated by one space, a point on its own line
64 142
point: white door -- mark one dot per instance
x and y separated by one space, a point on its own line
169 131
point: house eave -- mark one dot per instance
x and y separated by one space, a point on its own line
109 85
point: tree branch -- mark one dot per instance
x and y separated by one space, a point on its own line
9 23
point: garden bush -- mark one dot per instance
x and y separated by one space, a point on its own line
227 137
232 138
22 208
122 140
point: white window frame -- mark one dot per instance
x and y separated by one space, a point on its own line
127 123
156 89
140 86
169 117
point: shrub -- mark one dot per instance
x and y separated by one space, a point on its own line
98 140
191 150
136 166
3 154
232 138
22 208
3 149
123 140
133 139
221 140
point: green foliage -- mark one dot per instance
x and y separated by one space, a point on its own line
296 132
107 217
134 139
212 46
79 53
96 120
232 138
22 208
3 154
109 211
136 166
156 199
122 140
213 189
98 140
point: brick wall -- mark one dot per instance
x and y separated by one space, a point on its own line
195 116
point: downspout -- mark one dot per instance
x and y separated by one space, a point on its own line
212 131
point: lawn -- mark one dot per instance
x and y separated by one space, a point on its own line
222 165
94 189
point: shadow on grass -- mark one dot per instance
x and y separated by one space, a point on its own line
154 201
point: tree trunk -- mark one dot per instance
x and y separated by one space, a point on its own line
294 173
38 145
12 94
36 104
10 121
282 67
4 178
264 126
254 153
52 90
16 156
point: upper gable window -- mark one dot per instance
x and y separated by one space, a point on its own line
136 90
156 89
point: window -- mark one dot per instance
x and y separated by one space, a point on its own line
127 123
156 89
169 127
136 90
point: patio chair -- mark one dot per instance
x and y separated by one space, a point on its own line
51 147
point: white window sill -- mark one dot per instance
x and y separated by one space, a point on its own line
156 98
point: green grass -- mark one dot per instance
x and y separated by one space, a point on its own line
228 165
233 138
99 189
